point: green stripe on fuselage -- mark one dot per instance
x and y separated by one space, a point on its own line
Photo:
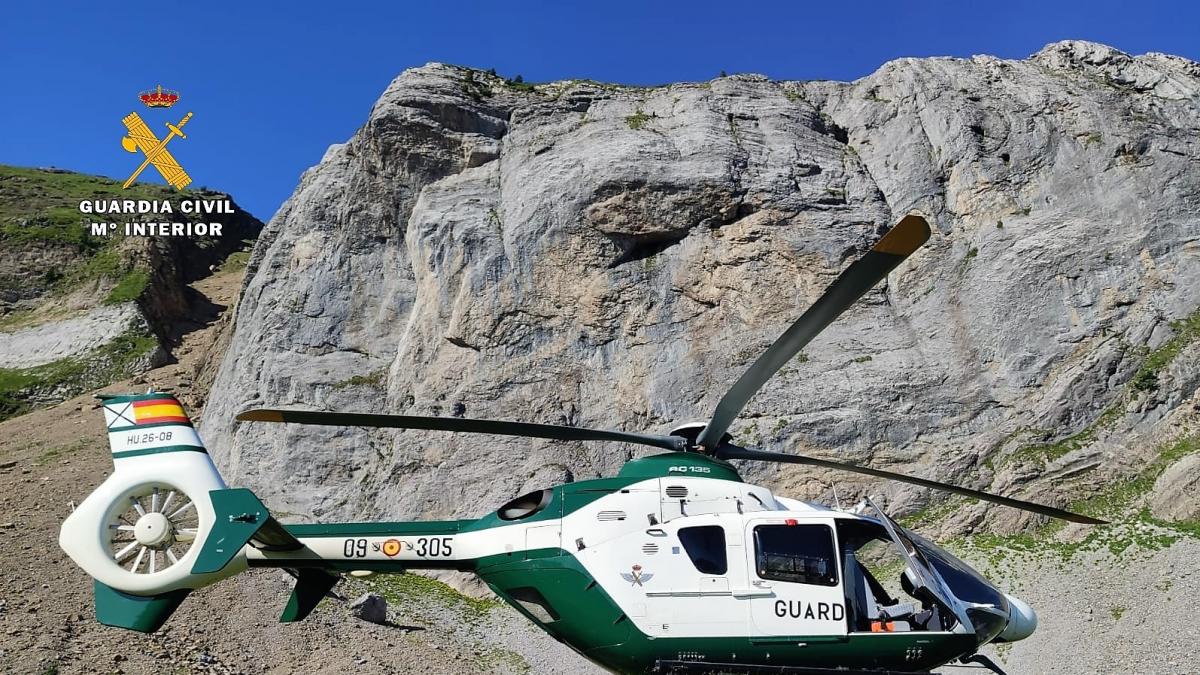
154 451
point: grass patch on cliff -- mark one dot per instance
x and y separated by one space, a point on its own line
1186 331
42 205
21 389
520 84
371 379
1112 502
129 288
638 120
39 210
58 451
236 261
1132 526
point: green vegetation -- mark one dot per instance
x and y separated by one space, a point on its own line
502 659
1093 137
1051 451
972 252
1121 504
236 261
20 388
57 451
1117 611
371 379
402 589
475 89
638 119
932 513
40 207
874 97
129 288
520 84
862 359
1187 330
1112 502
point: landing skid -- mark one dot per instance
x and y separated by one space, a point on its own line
985 662
760 669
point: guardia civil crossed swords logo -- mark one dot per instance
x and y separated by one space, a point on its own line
142 139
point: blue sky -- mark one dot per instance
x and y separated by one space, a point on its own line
273 84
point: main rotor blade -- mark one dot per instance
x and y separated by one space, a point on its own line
734 452
899 242
459 424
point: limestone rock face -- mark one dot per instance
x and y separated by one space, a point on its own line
610 256
1175 492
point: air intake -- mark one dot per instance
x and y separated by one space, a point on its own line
677 491
605 516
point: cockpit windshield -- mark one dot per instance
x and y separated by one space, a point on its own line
964 582
950 595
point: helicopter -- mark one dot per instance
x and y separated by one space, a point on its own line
675 564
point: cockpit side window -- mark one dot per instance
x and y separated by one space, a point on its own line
802 554
705 545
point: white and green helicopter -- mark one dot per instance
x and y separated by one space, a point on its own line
673 565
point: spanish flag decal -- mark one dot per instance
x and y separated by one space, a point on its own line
156 411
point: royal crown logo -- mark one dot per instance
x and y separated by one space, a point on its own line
142 139
159 97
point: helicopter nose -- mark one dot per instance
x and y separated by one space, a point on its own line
1022 621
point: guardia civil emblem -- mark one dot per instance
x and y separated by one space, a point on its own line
142 139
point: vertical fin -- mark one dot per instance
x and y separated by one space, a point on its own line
143 613
148 424
312 585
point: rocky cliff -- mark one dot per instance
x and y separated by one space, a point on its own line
593 254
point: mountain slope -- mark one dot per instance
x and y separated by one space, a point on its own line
78 311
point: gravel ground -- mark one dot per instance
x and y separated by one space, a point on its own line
1103 613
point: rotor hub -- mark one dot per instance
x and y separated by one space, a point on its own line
153 529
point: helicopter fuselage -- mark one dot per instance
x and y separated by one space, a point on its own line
673 561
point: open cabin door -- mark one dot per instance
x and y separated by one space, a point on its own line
924 576
793 567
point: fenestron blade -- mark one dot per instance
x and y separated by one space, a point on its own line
734 452
899 243
461 425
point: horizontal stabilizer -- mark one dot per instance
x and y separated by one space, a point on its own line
241 518
312 585
143 613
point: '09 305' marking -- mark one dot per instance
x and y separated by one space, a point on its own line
423 547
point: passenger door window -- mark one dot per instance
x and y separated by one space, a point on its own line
802 554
